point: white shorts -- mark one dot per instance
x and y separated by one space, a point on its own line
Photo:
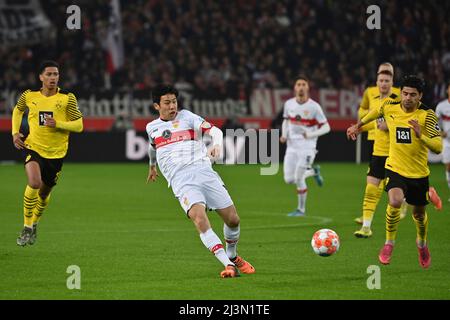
200 184
295 158
446 154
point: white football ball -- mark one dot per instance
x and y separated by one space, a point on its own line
325 242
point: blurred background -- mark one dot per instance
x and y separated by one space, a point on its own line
234 62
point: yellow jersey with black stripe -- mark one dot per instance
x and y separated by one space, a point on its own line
381 137
370 101
50 143
408 154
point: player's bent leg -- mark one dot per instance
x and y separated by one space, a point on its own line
209 238
317 175
302 190
197 213
289 165
30 199
435 199
42 203
231 233
372 196
420 218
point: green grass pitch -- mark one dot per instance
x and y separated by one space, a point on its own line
133 241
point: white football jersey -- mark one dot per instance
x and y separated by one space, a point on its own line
177 143
302 118
443 114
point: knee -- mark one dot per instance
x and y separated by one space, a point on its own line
34 183
396 202
233 221
289 180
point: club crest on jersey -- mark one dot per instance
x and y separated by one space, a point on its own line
176 123
166 134
58 104
298 117
206 125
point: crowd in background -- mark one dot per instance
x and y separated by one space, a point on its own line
224 49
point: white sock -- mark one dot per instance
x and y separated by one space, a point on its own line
213 243
302 192
421 243
367 223
447 174
231 239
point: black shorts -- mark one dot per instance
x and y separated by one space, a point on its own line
376 167
50 168
415 190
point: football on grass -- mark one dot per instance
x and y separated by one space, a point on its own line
325 242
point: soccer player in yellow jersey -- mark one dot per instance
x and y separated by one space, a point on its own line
52 115
376 172
413 131
371 100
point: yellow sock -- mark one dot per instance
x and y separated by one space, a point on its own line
371 198
39 209
30 199
392 220
382 185
422 229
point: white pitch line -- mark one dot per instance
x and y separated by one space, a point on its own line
319 220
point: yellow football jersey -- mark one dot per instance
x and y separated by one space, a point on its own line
371 100
381 138
408 155
51 143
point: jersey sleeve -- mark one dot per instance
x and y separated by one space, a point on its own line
320 115
285 112
22 102
364 105
148 129
431 125
195 121
72 111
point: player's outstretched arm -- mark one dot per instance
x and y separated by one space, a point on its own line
152 171
324 129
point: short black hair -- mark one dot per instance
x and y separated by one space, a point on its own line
413 81
161 90
46 64
302 77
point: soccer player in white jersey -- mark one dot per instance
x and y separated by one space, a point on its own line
175 145
304 121
443 114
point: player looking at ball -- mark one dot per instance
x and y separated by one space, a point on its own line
182 157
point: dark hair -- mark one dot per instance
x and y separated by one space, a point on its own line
413 81
302 77
161 90
46 64
386 72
